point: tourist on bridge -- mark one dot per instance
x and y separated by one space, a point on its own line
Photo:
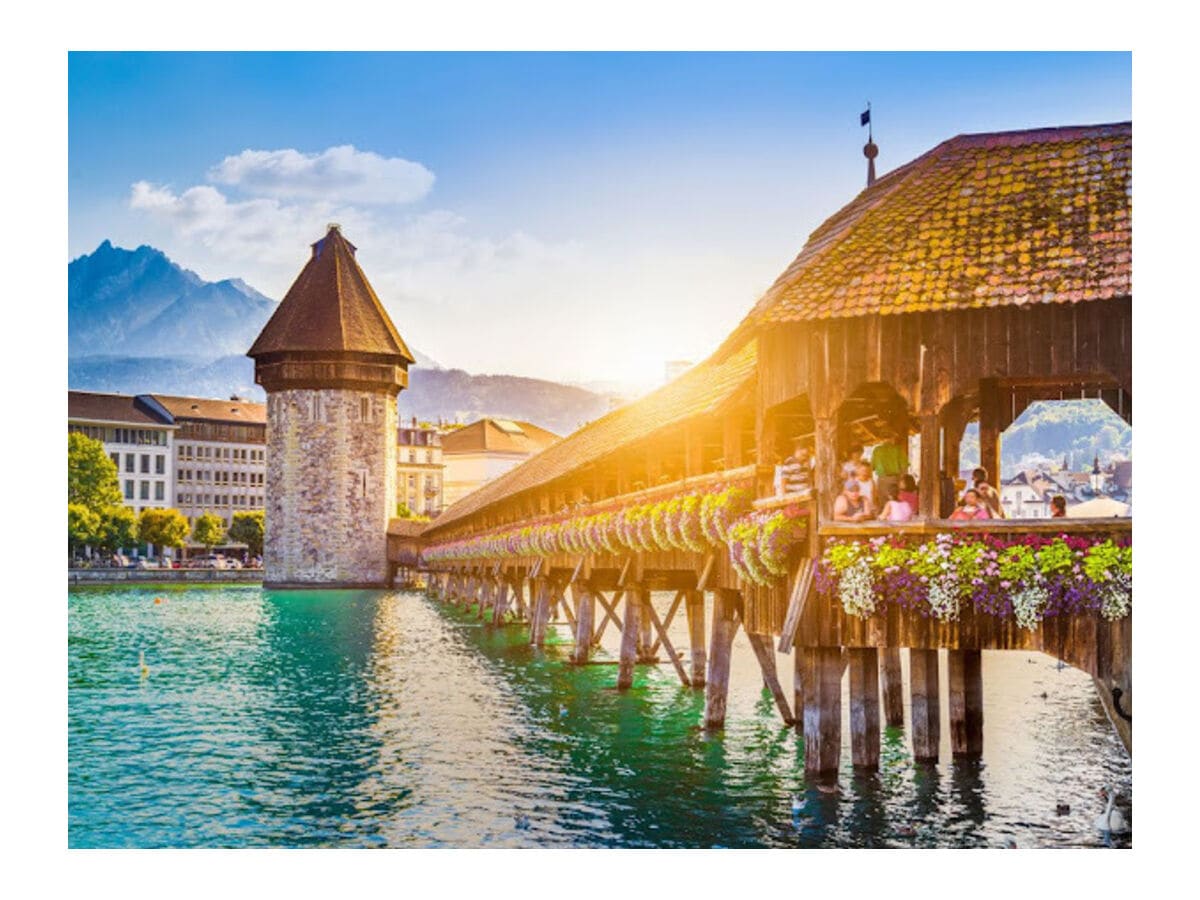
851 505
851 460
971 507
1058 507
795 475
895 509
889 461
987 493
866 482
908 491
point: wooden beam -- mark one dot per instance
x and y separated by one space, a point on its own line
966 702
864 706
646 631
706 571
629 640
766 661
666 622
661 628
822 710
930 486
585 616
827 482
724 627
694 610
500 607
990 426
926 710
801 584
541 614
799 664
610 613
891 683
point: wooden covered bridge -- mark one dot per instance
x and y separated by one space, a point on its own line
990 272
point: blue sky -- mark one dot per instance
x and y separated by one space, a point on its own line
625 208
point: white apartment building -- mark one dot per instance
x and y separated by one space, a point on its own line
136 436
419 468
483 450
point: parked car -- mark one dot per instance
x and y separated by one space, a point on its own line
148 562
233 563
212 561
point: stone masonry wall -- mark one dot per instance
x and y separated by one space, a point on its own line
331 486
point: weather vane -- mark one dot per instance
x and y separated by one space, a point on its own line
870 151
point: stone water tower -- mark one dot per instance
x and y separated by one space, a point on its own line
332 365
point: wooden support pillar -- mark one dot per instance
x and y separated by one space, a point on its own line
926 707
966 702
630 630
541 613
724 627
645 653
990 425
798 666
501 605
765 651
864 707
822 710
695 619
519 597
891 684
828 484
585 615
931 458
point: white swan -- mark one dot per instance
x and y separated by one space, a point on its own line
1111 821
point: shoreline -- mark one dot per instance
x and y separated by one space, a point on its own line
163 576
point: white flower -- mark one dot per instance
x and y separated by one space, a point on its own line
1117 597
943 599
1028 604
855 591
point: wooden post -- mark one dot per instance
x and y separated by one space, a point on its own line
926 709
646 631
798 666
541 613
929 487
724 627
585 615
695 619
501 605
864 707
966 702
519 597
822 710
630 630
828 484
765 651
891 683
990 426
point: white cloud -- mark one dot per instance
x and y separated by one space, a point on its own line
338 174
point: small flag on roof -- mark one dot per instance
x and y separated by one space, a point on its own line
865 118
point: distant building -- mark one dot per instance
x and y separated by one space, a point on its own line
419 468
137 437
220 454
1027 495
483 450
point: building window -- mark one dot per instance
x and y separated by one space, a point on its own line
116 458
145 463
129 462
159 490
160 465
128 489
429 456
144 492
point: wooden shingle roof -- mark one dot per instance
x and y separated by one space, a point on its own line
1020 217
205 409
702 389
498 436
331 308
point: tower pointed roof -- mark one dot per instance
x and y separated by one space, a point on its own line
331 308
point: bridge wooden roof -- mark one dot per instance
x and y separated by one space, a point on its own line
331 308
702 389
1005 218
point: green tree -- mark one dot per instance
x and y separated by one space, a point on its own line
248 528
162 528
83 526
91 475
118 529
208 530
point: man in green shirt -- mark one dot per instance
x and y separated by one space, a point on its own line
890 461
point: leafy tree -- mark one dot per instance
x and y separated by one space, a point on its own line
209 530
91 475
404 512
248 528
162 528
118 528
82 526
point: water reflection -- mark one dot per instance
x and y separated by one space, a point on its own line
380 719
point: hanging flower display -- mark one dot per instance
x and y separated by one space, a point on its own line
720 510
1028 577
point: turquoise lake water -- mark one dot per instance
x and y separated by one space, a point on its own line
383 719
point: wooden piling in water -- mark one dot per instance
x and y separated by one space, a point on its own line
822 710
541 613
585 615
694 610
724 627
798 666
864 707
501 605
630 631
645 644
891 684
764 649
966 702
926 711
